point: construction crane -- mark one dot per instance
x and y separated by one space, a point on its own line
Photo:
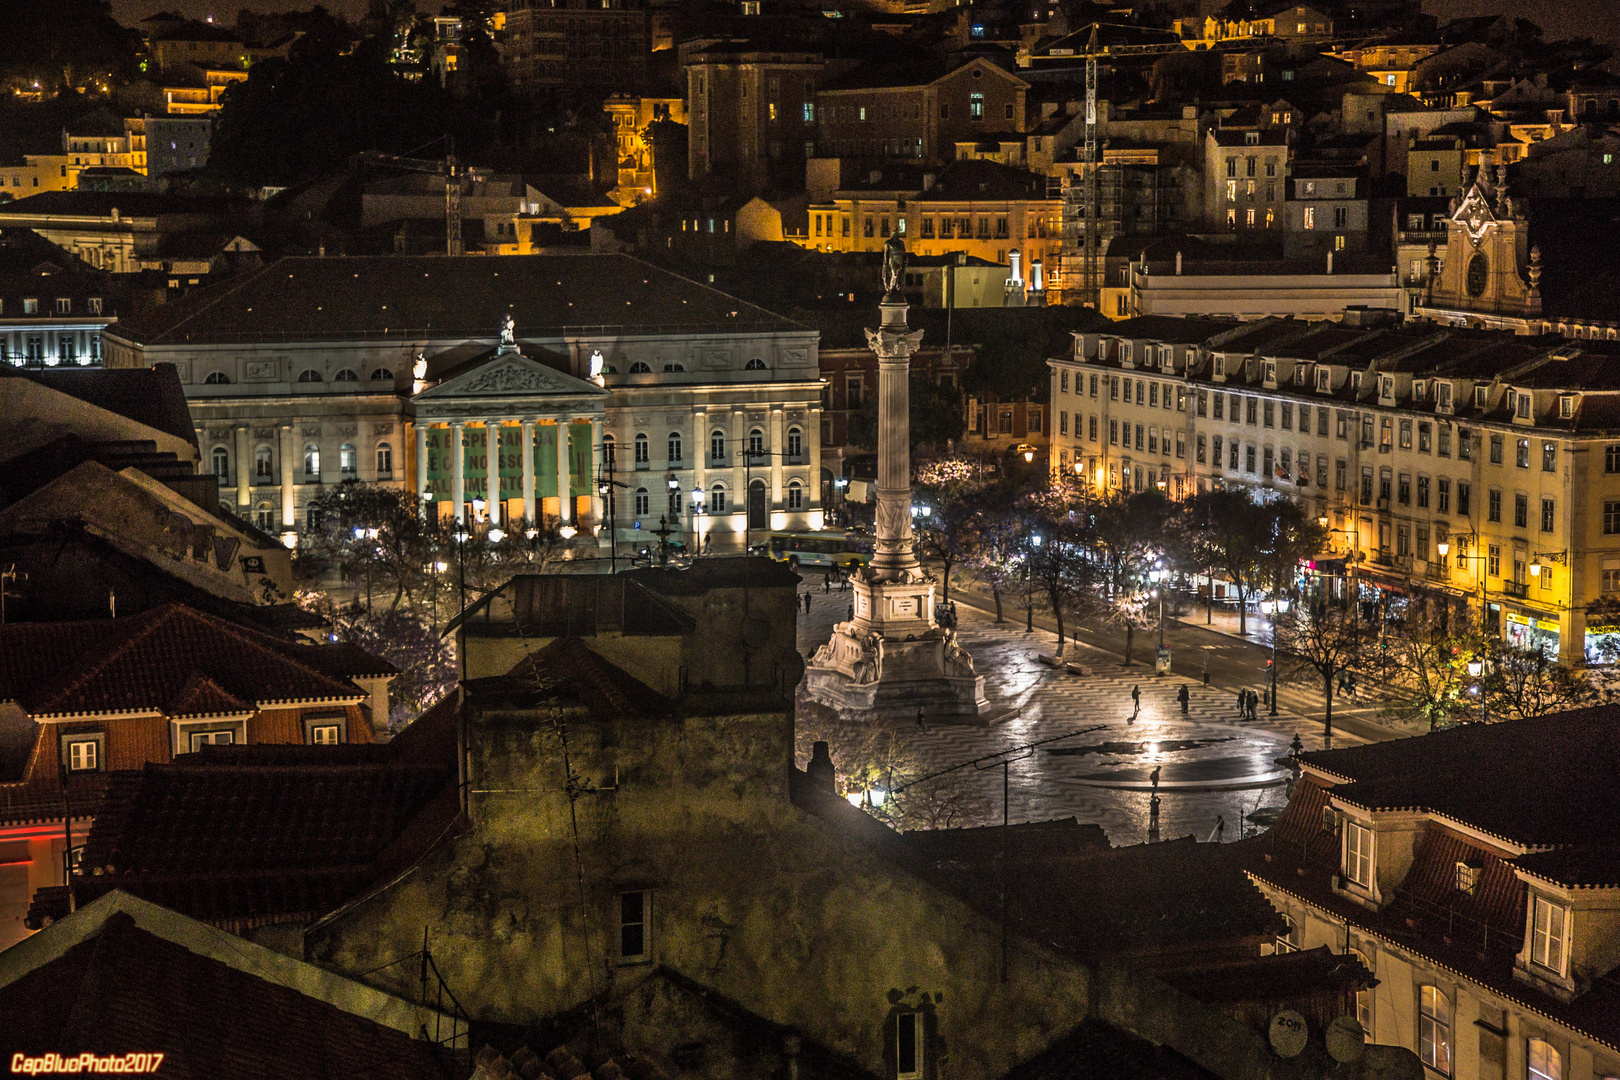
1090 195
453 174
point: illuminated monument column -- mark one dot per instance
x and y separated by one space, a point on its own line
891 658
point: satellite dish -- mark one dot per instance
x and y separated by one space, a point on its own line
1346 1040
1287 1033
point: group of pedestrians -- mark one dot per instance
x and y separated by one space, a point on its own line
835 576
1248 705
1183 696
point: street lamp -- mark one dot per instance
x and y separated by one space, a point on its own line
1476 668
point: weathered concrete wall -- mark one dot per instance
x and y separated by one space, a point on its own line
767 905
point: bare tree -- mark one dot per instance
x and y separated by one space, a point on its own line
991 546
1128 535
1319 641
1527 683
1056 553
1429 654
949 491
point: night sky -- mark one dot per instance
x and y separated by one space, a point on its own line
1564 18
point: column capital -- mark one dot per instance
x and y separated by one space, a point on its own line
458 423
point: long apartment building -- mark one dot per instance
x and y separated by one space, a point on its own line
1477 464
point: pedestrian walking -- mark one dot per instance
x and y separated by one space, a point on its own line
852 612
707 537
921 726
1254 705
1243 704
843 581
1154 777
1206 673
1184 697
807 595
826 582
1220 829
1136 700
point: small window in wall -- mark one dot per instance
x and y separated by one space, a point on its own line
1434 1029
1547 934
382 374
756 364
635 910
309 375
217 378
263 466
1364 998
348 461
312 462
1542 1062
385 459
908 1045
84 753
200 739
1358 854
346 375
325 735
640 367
795 495
262 516
222 465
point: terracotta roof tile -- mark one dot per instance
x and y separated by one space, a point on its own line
202 696
126 988
147 661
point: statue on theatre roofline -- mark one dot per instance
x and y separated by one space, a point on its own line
508 330
894 267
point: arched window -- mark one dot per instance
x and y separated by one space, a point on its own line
643 451
1543 1062
795 443
1364 998
675 449
382 374
261 516
1434 1029
263 467
217 378
674 367
222 464
348 461
640 367
643 503
346 375
717 446
756 443
717 499
756 364
795 495
309 375
385 460
609 451
312 462
312 518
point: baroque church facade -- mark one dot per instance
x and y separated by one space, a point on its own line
613 395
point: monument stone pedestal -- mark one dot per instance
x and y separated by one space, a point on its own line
891 658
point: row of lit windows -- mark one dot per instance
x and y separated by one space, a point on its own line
309 375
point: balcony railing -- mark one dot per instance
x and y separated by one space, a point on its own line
1516 590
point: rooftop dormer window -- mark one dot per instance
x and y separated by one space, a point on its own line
1468 874
1548 924
1442 393
1566 406
1521 407
1358 854
1420 390
1324 379
1479 397
1386 388
1271 373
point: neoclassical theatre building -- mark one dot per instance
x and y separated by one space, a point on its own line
702 409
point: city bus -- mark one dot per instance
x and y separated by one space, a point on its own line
823 549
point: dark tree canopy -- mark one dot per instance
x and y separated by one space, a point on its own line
305 116
64 43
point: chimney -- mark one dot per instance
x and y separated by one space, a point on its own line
1014 278
820 769
1330 262
1178 264
928 181
1037 276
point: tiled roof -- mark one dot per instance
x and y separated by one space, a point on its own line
1168 328
1096 1049
1585 867
202 696
1276 978
990 181
1035 839
567 669
320 299
102 203
125 988
1540 794
242 836
146 662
